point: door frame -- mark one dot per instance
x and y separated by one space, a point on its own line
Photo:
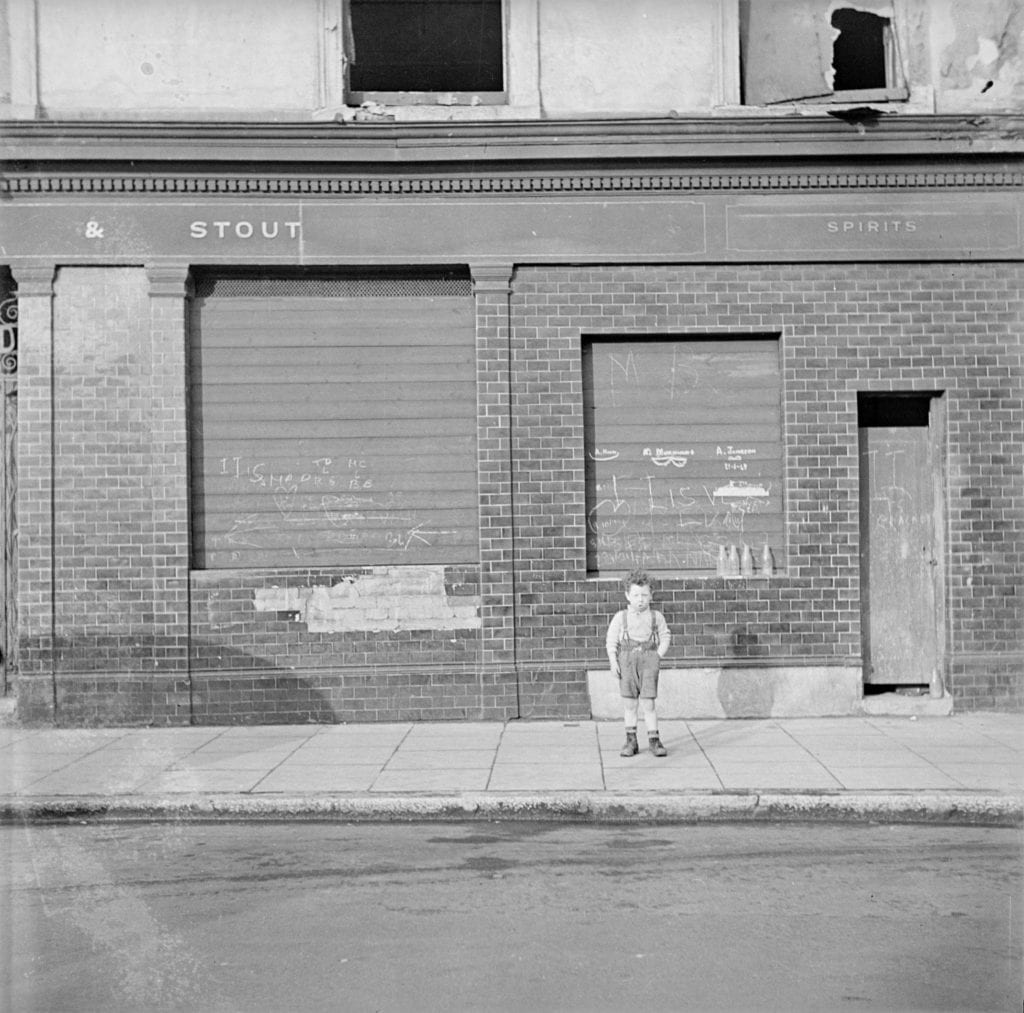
872 404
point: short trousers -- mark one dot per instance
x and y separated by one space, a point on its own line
638 672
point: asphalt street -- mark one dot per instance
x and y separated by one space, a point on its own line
510 916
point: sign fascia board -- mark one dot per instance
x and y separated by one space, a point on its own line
527 229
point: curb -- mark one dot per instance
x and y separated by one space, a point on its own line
960 808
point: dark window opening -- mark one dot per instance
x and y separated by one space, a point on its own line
901 689
860 50
885 410
425 46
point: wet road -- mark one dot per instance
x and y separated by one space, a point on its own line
510 916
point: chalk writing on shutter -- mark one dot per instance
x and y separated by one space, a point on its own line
333 431
683 451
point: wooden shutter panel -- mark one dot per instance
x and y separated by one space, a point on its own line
786 50
683 446
333 429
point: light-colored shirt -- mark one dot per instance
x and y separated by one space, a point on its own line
638 626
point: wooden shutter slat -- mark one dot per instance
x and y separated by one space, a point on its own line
405 450
334 431
319 411
319 370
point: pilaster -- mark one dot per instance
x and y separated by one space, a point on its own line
35 486
492 286
170 288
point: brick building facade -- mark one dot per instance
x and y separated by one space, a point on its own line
365 420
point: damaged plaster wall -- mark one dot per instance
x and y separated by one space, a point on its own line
388 598
109 58
978 46
954 56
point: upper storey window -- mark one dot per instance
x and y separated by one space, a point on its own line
408 51
812 51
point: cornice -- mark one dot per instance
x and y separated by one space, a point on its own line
36 144
25 184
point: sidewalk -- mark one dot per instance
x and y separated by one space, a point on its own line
963 768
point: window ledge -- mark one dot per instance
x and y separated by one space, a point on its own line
860 95
429 98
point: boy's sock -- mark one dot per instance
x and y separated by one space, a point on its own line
649 712
630 710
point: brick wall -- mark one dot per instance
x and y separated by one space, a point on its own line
844 329
255 667
139 639
103 504
119 503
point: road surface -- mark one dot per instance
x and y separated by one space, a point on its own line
510 916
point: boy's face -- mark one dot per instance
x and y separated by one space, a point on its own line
639 597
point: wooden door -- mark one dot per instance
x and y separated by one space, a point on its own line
899 551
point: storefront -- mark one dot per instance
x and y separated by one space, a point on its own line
374 436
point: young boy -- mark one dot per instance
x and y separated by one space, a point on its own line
637 640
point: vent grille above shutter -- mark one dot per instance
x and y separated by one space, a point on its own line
333 287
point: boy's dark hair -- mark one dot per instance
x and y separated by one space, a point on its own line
638 577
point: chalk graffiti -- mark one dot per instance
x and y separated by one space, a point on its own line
418 533
663 458
626 369
336 498
312 474
740 490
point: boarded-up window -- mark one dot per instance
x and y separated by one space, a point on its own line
812 51
683 451
333 421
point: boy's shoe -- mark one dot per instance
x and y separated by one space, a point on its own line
656 747
632 747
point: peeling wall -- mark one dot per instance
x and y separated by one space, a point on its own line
389 598
564 58
954 56
978 46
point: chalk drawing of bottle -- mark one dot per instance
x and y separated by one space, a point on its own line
747 562
722 567
767 562
734 562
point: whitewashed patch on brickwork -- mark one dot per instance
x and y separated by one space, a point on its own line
386 598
